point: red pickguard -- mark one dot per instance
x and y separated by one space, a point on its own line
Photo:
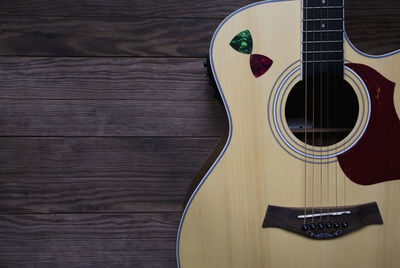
376 157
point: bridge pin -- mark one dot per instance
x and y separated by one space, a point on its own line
320 225
336 225
312 226
344 224
328 225
304 227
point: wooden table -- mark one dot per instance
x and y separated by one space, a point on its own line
106 116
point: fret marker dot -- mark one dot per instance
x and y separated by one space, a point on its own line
323 25
323 1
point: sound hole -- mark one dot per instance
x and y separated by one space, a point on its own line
332 110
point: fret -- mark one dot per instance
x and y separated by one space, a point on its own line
323 25
332 51
334 13
323 45
322 62
322 56
326 46
322 36
327 19
325 41
316 3
322 31
323 7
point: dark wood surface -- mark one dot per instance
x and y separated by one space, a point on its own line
106 117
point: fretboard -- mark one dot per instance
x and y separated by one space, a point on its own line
323 26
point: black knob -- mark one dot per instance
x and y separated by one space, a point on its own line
312 226
336 224
328 225
304 227
320 225
344 224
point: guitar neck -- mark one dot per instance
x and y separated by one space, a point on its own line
322 37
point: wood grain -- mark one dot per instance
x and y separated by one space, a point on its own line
116 8
111 118
93 195
179 37
120 88
115 231
373 29
64 36
103 78
88 240
88 259
91 157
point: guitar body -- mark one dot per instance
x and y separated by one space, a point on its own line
222 222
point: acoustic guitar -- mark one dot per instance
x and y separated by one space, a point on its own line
309 175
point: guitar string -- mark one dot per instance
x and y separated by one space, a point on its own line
344 176
336 140
322 107
341 119
327 111
321 120
313 116
305 111
320 103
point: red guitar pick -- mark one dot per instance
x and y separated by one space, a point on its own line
259 64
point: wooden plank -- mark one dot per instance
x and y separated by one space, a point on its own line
103 78
44 157
115 239
387 9
92 195
88 259
130 8
373 29
178 37
112 231
111 118
153 8
63 36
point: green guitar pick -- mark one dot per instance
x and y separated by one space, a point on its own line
242 42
